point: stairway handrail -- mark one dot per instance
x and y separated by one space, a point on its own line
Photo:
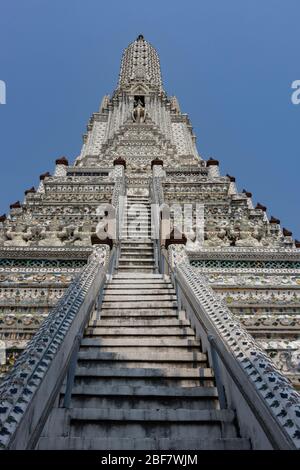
269 394
118 202
156 200
29 390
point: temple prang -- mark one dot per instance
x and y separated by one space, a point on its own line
145 301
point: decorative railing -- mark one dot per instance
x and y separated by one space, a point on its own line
267 406
31 387
118 202
156 200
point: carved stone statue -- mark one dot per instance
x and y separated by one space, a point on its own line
139 113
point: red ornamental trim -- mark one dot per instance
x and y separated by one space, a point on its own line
172 240
95 240
231 178
261 207
15 205
31 190
62 161
120 161
286 232
44 175
248 194
273 220
212 162
157 161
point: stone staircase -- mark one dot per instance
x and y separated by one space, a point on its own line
142 380
137 253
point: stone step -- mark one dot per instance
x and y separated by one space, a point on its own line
138 197
135 260
140 219
171 312
129 443
140 291
134 276
139 322
137 207
135 210
138 297
95 354
135 239
138 202
123 416
149 342
132 204
141 304
138 269
84 399
116 364
133 234
149 402
158 355
140 332
124 268
137 250
165 392
136 254
137 377
138 287
128 351
133 201
121 429
136 226
138 214
138 262
136 281
101 372
162 423
142 264
138 244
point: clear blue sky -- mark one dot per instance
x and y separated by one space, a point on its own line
230 63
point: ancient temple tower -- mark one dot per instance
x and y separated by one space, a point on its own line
162 297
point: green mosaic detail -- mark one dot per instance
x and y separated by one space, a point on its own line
214 263
41 263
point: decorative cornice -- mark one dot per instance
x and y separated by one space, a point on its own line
253 253
58 253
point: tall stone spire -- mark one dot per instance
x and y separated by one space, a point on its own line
144 345
140 64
